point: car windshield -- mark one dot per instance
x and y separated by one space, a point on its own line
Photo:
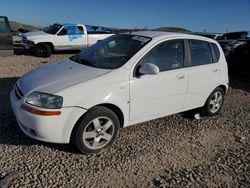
112 52
52 29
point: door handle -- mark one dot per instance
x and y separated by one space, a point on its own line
180 76
214 70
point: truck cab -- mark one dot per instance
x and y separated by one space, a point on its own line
59 37
6 46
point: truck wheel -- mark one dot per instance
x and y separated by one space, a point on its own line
214 102
43 50
97 130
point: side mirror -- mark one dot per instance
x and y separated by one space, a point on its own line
149 68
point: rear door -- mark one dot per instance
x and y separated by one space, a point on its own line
5 36
204 73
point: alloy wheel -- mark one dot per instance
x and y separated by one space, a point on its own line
98 133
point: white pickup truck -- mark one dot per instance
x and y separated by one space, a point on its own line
59 37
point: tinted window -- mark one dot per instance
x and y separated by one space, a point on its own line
73 29
216 52
3 26
80 29
167 55
200 52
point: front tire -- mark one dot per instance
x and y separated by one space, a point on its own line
97 130
43 50
214 102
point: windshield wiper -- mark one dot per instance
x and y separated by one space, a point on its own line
77 59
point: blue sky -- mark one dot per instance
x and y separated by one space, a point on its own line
195 15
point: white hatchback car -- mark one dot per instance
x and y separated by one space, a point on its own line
120 81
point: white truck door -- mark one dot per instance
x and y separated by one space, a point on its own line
70 37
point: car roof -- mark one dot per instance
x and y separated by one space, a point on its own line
157 34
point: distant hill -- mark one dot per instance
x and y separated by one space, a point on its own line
171 29
16 25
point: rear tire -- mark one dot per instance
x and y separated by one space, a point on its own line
214 102
97 130
43 50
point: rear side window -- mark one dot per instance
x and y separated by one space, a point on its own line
200 52
216 52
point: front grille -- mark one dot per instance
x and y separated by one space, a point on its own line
18 92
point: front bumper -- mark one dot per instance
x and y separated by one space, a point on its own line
27 44
54 129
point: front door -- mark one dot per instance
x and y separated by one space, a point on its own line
70 37
6 47
153 96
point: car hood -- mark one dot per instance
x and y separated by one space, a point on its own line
36 34
56 76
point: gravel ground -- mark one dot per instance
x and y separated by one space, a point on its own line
175 151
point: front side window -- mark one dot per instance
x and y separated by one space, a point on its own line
3 25
200 52
112 52
167 55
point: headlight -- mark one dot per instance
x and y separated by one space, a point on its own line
44 100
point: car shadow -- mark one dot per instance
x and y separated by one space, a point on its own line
10 133
240 79
19 50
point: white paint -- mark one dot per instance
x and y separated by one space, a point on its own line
139 98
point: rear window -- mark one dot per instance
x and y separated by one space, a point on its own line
80 29
216 52
96 30
200 52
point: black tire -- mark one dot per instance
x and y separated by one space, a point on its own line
210 108
43 50
101 114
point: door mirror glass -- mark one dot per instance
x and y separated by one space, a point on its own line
149 68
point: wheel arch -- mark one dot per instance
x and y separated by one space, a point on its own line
110 106
224 88
50 44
